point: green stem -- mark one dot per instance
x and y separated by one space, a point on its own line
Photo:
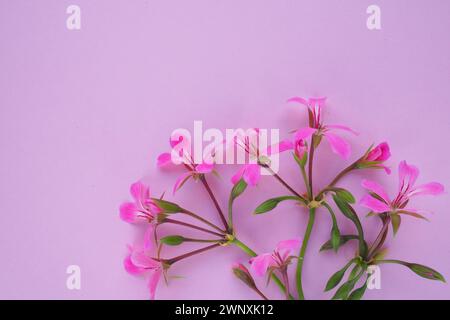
252 253
305 180
312 214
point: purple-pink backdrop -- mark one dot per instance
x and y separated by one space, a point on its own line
85 113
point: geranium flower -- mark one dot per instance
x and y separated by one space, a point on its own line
316 126
143 209
280 258
375 157
251 172
187 160
139 262
378 200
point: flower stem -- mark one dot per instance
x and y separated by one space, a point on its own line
305 180
379 241
312 214
212 225
216 203
281 180
181 223
310 166
252 253
192 253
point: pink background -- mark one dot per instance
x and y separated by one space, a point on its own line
85 113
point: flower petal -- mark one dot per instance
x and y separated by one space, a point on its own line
304 133
153 280
432 188
380 153
376 188
204 167
140 192
142 260
288 247
299 100
238 175
164 159
149 238
252 174
261 263
407 175
341 127
338 145
128 212
181 180
282 146
130 267
374 204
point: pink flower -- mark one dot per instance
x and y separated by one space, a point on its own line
317 128
375 157
278 259
379 201
251 172
139 262
143 209
300 148
182 145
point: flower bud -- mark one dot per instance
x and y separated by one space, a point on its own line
242 273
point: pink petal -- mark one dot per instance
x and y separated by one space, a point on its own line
180 180
153 280
299 100
204 167
128 212
238 175
376 188
407 175
319 100
259 264
164 159
288 247
374 204
338 145
304 133
380 153
149 238
282 146
174 141
341 127
130 267
140 192
141 260
252 174
432 188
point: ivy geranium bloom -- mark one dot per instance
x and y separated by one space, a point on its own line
185 155
375 157
316 126
379 201
257 157
143 209
280 258
139 262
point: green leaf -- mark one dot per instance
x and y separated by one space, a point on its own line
350 213
270 204
337 276
344 290
335 233
342 240
395 221
238 189
344 195
419 269
172 240
167 206
357 294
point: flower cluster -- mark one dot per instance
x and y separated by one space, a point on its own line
146 258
